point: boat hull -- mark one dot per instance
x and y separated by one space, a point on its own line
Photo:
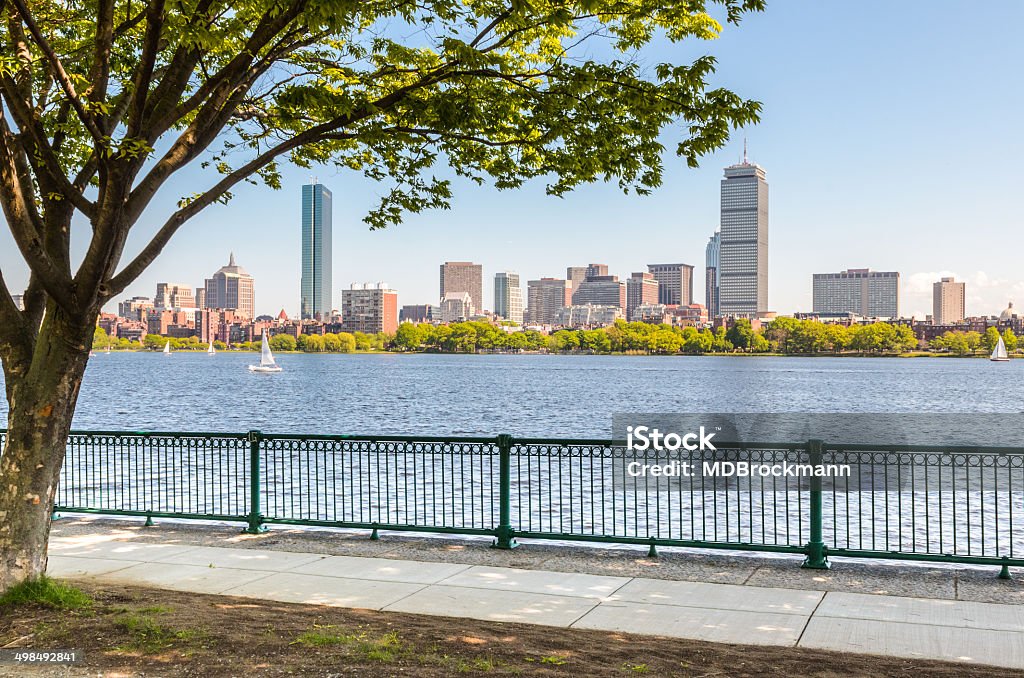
261 368
1000 360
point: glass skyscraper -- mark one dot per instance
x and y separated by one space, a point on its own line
315 301
712 259
743 258
508 296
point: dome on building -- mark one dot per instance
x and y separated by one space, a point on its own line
1010 312
232 268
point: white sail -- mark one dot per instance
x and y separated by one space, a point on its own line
999 352
167 347
211 350
266 358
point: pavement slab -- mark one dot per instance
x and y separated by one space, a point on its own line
537 581
290 587
698 623
379 569
495 605
921 641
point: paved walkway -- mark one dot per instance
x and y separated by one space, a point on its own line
983 633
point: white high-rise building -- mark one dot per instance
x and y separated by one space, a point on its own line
508 296
743 259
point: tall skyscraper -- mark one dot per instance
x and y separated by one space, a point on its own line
231 288
641 289
508 296
315 302
743 269
947 302
545 297
369 308
463 276
712 255
675 283
872 294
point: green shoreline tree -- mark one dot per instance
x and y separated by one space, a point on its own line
104 101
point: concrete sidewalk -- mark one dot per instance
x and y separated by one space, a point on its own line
976 632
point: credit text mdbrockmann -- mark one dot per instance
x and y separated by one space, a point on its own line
644 438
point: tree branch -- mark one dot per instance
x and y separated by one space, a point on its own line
58 71
29 125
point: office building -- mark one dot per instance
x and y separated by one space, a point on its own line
576 275
587 316
457 307
508 296
545 297
870 294
601 290
231 289
712 254
134 308
675 283
173 297
317 227
463 276
417 313
369 308
743 260
641 288
947 302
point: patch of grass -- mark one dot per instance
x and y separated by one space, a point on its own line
147 635
553 660
384 649
635 668
46 592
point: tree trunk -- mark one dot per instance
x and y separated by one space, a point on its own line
41 396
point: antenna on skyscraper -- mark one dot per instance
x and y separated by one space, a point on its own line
745 150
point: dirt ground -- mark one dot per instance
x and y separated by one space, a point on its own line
130 631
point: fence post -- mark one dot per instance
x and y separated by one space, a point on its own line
255 525
504 534
816 559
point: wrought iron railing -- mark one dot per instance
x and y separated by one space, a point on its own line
934 503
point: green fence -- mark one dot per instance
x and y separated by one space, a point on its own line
933 503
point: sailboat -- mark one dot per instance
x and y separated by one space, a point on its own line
211 350
999 353
167 348
267 363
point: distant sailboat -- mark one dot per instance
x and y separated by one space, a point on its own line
211 350
999 353
267 363
167 348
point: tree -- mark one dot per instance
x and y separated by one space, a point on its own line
990 339
1010 339
92 89
346 342
408 337
283 342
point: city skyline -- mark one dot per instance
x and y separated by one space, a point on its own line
899 191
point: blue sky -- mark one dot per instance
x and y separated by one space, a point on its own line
890 137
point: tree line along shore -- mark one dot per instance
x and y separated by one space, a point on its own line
782 336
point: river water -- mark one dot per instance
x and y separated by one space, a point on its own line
529 395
